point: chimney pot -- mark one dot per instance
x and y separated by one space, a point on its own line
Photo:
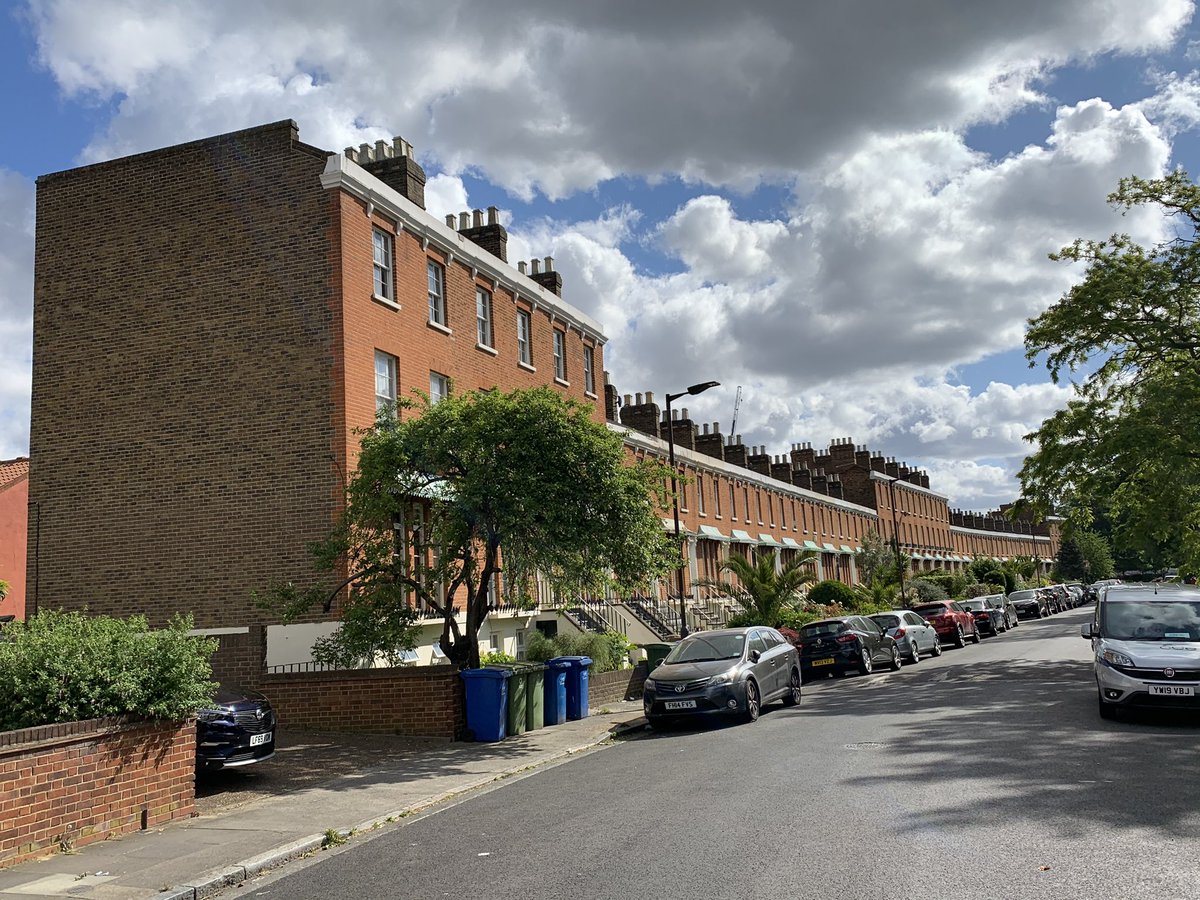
450 219
493 216
639 396
381 149
674 415
629 399
685 413
464 221
521 267
534 266
364 151
351 154
549 263
739 440
705 429
477 218
649 396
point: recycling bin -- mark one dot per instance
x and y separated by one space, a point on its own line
517 696
655 654
535 696
577 685
555 691
487 702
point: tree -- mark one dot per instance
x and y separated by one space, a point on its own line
876 559
764 593
1130 330
1084 556
476 497
1071 564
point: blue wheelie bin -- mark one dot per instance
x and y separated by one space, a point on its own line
487 702
555 688
577 685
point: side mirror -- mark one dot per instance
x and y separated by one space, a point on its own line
755 656
927 622
1087 630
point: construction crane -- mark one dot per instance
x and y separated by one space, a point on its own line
737 403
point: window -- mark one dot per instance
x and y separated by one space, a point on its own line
758 497
385 381
560 355
771 510
732 502
383 264
483 316
683 501
589 369
439 387
437 293
524 333
700 495
717 497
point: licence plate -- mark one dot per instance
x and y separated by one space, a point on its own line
257 740
822 662
680 704
1171 690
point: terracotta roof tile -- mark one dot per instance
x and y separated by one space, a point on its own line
12 469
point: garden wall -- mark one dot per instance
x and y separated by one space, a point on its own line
425 701
63 786
610 687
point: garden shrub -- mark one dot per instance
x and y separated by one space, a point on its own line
829 593
69 666
953 583
982 590
928 591
608 651
496 658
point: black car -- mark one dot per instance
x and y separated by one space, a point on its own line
1031 604
845 644
236 730
988 619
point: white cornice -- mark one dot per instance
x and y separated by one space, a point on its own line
712 464
357 181
907 485
1006 535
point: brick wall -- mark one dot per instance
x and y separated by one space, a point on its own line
240 660
609 687
427 701
64 786
14 516
182 430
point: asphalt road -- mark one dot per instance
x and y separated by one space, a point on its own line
984 774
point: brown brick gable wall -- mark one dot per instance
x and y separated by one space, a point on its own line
183 422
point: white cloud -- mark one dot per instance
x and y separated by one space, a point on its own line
16 312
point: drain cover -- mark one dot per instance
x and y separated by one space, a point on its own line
866 745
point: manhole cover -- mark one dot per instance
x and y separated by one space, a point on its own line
866 745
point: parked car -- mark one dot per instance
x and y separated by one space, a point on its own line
1146 640
953 623
1075 589
237 730
911 633
1091 593
733 671
1030 604
1001 602
845 644
988 619
1059 598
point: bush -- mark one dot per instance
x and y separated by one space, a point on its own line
982 590
830 593
496 658
608 651
66 667
928 591
953 583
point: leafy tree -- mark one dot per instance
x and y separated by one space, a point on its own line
1130 333
763 592
992 571
953 583
1084 556
475 488
876 559
872 596
928 591
830 592
982 590
1070 564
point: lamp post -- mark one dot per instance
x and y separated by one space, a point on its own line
896 535
694 389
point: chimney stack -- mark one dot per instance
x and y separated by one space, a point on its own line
548 278
394 165
491 236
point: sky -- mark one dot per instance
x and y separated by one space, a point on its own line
846 209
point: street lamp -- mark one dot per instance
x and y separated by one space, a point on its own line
694 389
896 535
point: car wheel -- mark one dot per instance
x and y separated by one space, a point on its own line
1109 711
753 706
896 661
959 639
975 636
865 667
792 697
937 646
914 655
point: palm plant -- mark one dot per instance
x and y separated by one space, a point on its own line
878 593
764 593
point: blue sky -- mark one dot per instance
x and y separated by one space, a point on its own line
848 216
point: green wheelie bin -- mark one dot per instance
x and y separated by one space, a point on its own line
517 696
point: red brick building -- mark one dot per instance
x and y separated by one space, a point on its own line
14 514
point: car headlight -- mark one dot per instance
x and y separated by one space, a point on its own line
1113 658
648 684
725 677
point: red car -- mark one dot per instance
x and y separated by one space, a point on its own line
952 623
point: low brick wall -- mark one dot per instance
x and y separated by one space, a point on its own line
64 786
240 659
426 701
609 687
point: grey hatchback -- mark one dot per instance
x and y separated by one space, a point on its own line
732 671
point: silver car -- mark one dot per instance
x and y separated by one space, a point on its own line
733 671
912 633
1146 638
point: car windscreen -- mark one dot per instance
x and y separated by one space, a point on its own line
885 621
931 609
1151 620
972 604
1017 596
822 629
704 648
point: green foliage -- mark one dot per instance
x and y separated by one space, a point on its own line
953 583
762 592
65 667
5 587
496 658
876 559
795 619
992 571
1131 330
444 490
608 651
928 591
831 593
982 590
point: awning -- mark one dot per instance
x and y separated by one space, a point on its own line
846 549
791 542
742 537
809 545
712 532
829 548
765 540
669 524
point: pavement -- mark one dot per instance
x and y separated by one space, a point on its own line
319 791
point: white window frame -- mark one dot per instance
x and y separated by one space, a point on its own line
382 256
589 369
439 387
525 341
483 316
560 354
435 275
386 397
700 495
